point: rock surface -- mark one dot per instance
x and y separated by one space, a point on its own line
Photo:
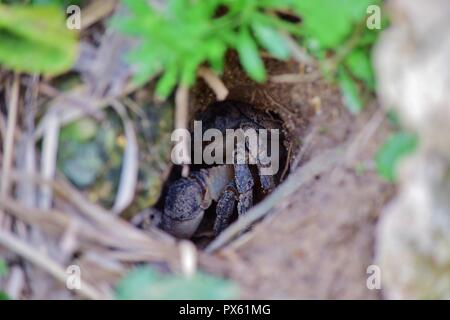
412 63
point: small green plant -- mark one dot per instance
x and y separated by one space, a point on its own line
335 33
3 272
178 37
182 35
148 283
35 39
396 147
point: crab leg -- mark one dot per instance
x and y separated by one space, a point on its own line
225 208
261 159
244 185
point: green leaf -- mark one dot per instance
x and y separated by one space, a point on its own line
147 283
35 39
249 56
270 39
331 21
393 118
4 296
359 63
167 82
350 92
392 151
3 267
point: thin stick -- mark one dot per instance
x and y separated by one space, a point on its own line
214 82
181 122
96 11
325 161
11 242
295 77
298 53
8 145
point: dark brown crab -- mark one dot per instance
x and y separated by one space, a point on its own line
188 198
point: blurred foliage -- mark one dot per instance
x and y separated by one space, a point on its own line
181 35
35 39
3 296
396 147
61 3
3 272
178 36
90 153
147 283
3 267
335 33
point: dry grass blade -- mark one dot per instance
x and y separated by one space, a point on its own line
181 122
48 161
16 283
214 82
129 171
299 53
56 223
109 223
26 191
69 107
11 242
8 144
295 78
95 11
96 224
74 105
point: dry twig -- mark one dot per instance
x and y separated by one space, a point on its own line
181 122
8 145
11 242
214 82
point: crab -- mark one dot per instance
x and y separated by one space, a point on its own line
231 186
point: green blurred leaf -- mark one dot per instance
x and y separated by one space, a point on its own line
249 56
79 131
325 20
36 39
271 40
167 82
392 151
331 21
393 118
360 65
349 91
4 296
147 283
81 162
3 267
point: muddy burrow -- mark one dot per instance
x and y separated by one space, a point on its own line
239 154
315 228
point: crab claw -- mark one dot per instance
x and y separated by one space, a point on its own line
183 209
